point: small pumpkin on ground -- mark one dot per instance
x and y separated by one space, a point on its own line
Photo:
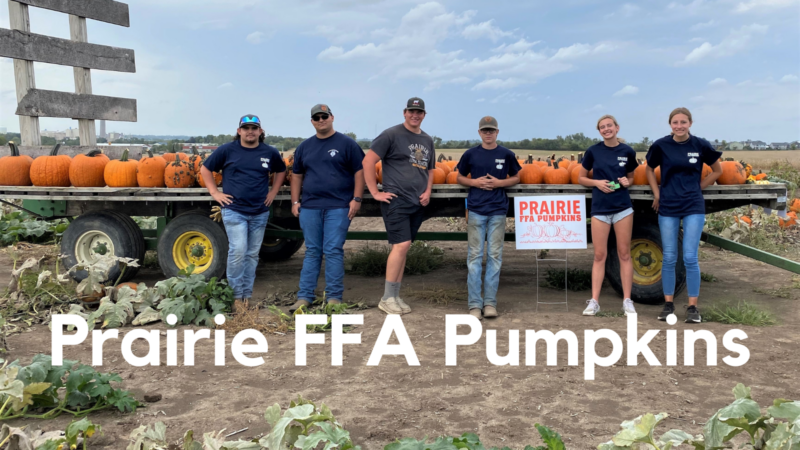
150 172
121 172
179 174
51 170
15 170
88 170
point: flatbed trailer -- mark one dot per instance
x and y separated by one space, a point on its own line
185 235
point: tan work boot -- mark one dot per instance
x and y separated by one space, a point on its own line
476 312
390 306
489 311
334 301
403 305
298 304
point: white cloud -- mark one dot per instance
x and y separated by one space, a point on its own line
627 90
412 52
789 79
480 100
718 82
484 30
627 10
596 108
255 37
700 26
735 42
225 86
517 47
761 5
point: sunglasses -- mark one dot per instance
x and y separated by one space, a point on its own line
318 117
487 130
249 128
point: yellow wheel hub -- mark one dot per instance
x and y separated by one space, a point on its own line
647 258
193 248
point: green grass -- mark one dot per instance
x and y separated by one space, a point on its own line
610 314
370 261
782 292
742 313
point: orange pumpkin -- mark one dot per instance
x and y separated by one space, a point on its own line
563 163
150 171
530 174
451 164
706 171
556 176
51 170
790 221
640 174
795 205
196 160
452 177
760 176
732 173
133 286
379 171
88 170
439 176
178 174
289 165
445 168
574 174
121 172
15 170
202 182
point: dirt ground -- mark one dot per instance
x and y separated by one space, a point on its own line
501 404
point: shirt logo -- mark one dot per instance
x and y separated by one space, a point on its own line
693 157
419 156
622 160
500 163
265 163
333 152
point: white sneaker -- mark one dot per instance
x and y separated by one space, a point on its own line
390 306
403 305
592 308
627 306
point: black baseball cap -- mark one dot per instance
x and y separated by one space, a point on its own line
416 103
249 119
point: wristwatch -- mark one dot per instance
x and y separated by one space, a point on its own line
357 199
295 203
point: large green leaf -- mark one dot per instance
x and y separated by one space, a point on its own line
610 445
783 438
406 444
275 439
639 429
716 432
273 414
551 438
785 409
676 437
741 391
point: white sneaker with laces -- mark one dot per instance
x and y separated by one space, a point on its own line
592 307
627 306
403 305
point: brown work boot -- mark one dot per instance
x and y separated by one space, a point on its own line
476 312
298 304
489 311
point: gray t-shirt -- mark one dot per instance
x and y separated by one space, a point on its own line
406 157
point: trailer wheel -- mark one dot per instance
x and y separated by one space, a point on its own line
281 249
647 256
100 233
193 238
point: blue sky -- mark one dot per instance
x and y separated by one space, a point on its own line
542 68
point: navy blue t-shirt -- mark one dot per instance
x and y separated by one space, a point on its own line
681 171
245 174
610 163
328 167
500 163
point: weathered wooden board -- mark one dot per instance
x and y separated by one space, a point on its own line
36 47
103 10
43 103
114 152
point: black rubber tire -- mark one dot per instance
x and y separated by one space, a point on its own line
281 249
124 238
139 245
648 294
191 221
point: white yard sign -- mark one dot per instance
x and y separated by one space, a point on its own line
550 222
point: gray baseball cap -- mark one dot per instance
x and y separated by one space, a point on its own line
415 103
320 109
487 122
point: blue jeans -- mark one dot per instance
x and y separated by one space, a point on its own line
479 229
325 231
692 229
245 234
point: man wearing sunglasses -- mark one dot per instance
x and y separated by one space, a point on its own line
246 164
327 169
493 168
408 159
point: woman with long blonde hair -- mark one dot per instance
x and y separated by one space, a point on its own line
612 163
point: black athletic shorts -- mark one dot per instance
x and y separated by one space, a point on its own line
402 219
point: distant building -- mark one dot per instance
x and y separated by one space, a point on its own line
103 129
72 133
113 136
755 145
201 147
780 145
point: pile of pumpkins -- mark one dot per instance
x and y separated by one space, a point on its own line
94 169
566 170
